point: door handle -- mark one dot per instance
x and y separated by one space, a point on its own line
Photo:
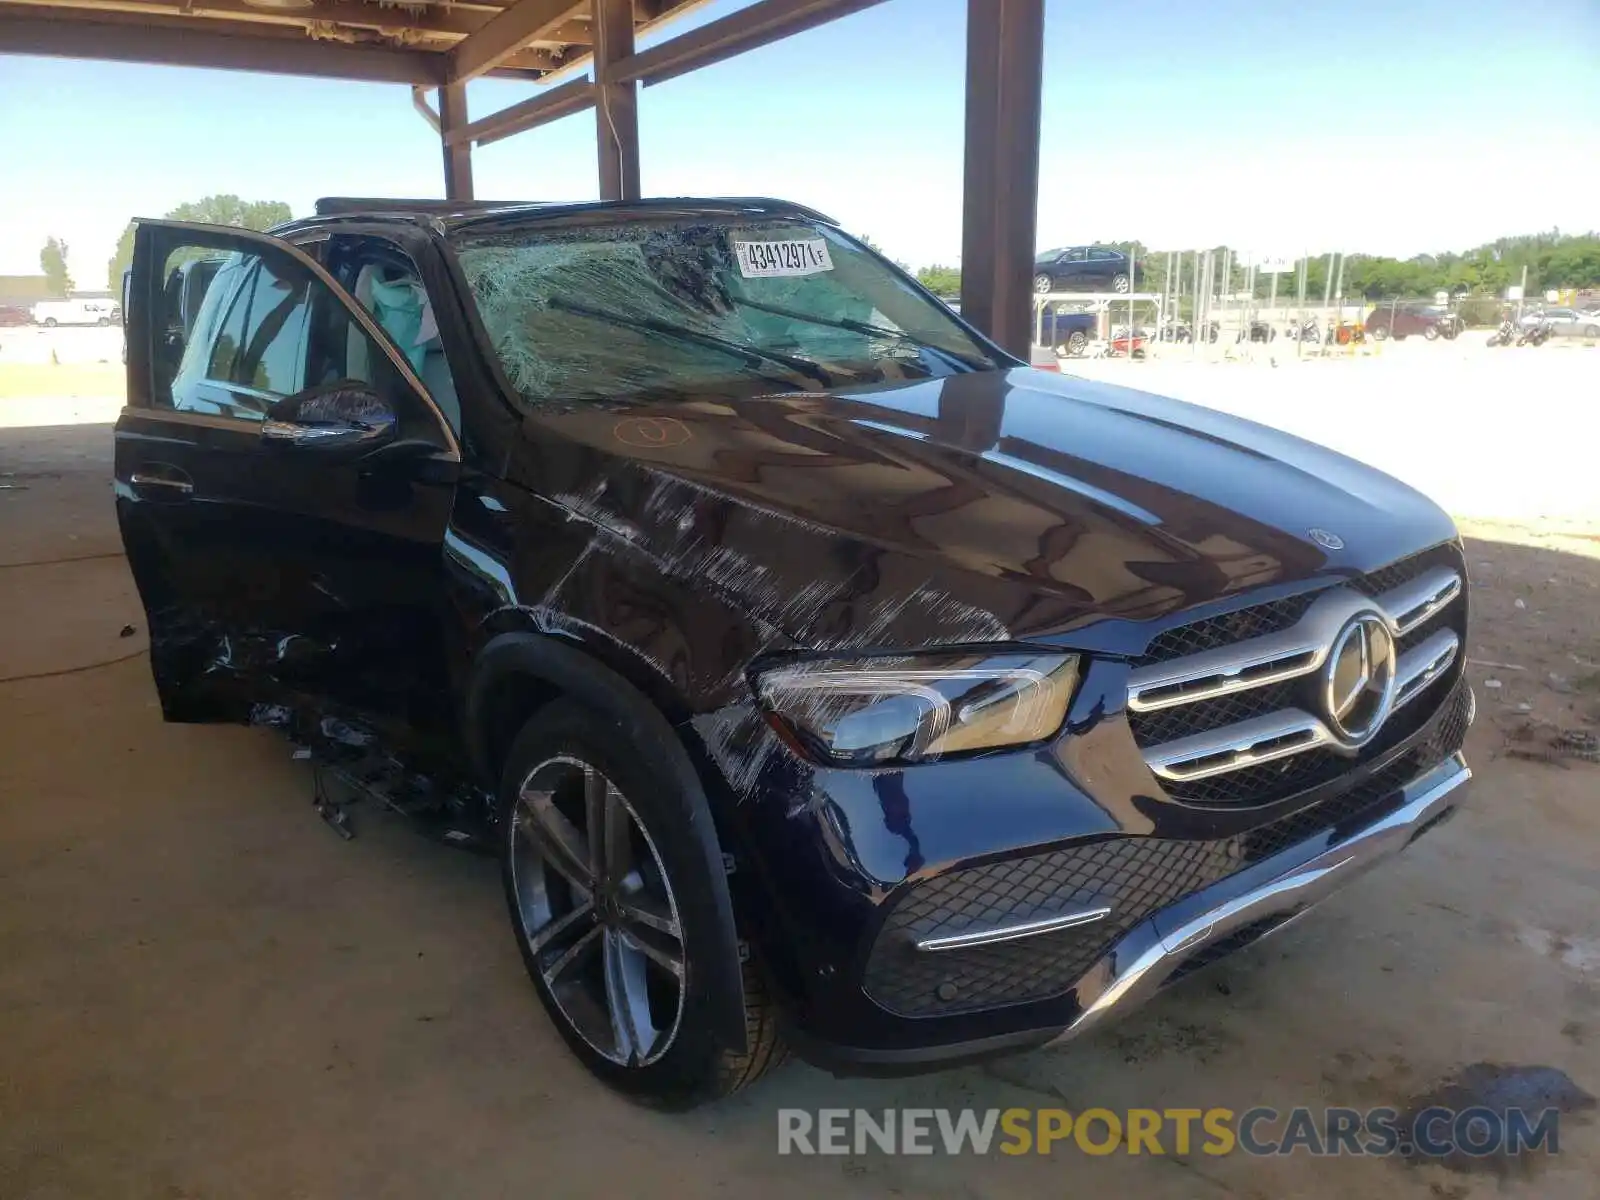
173 486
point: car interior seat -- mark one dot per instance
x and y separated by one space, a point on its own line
399 303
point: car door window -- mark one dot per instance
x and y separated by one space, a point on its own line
1104 255
265 330
1077 255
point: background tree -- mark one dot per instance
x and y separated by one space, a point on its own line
211 210
940 280
53 261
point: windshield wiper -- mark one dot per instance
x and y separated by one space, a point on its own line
861 327
748 354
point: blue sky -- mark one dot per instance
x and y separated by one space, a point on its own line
1393 126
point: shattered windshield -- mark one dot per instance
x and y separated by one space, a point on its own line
701 306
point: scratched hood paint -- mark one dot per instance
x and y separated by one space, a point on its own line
981 507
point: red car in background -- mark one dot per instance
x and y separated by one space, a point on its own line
1398 321
10 314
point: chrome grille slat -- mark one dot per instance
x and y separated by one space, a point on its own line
1412 603
1278 659
1258 740
1421 665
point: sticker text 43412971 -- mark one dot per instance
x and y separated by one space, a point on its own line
797 257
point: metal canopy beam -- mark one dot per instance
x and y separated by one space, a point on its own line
746 29
528 114
457 155
181 43
502 37
617 101
449 22
1005 76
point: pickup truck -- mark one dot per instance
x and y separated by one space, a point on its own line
1065 331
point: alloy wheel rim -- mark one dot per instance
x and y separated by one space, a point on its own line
1121 283
597 911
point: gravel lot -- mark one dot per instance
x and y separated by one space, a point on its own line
1511 432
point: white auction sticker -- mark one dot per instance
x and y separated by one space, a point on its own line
758 259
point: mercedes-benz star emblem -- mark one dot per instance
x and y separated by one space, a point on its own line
1358 683
1328 541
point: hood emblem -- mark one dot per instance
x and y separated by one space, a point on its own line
1358 682
1328 541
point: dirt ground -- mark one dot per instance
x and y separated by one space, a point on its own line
205 993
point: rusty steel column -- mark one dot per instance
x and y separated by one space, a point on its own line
1005 75
616 109
457 156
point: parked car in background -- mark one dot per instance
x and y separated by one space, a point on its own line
1564 322
1067 331
1400 321
11 315
819 673
51 313
1086 269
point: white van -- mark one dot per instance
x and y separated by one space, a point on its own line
51 313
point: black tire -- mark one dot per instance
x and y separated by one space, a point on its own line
1590 331
692 1067
1431 333
1076 341
1043 284
103 321
1381 333
1121 283
49 322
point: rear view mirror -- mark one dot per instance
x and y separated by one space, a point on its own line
340 417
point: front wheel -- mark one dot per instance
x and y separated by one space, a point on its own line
1042 284
1121 283
1431 333
50 322
615 914
1075 343
1380 334
1590 331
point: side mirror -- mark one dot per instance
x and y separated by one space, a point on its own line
343 417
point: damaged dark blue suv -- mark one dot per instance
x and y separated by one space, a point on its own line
823 677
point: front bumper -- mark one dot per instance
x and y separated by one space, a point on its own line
1188 934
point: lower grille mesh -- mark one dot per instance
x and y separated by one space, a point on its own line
1135 877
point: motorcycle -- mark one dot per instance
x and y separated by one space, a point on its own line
1536 335
1505 335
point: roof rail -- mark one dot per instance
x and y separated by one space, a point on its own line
333 206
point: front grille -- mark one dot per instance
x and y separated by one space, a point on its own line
1134 877
1227 629
1169 724
1386 579
1188 714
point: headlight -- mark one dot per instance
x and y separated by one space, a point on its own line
882 711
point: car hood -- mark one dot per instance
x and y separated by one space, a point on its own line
999 505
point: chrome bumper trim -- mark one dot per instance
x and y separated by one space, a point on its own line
1010 933
1119 983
